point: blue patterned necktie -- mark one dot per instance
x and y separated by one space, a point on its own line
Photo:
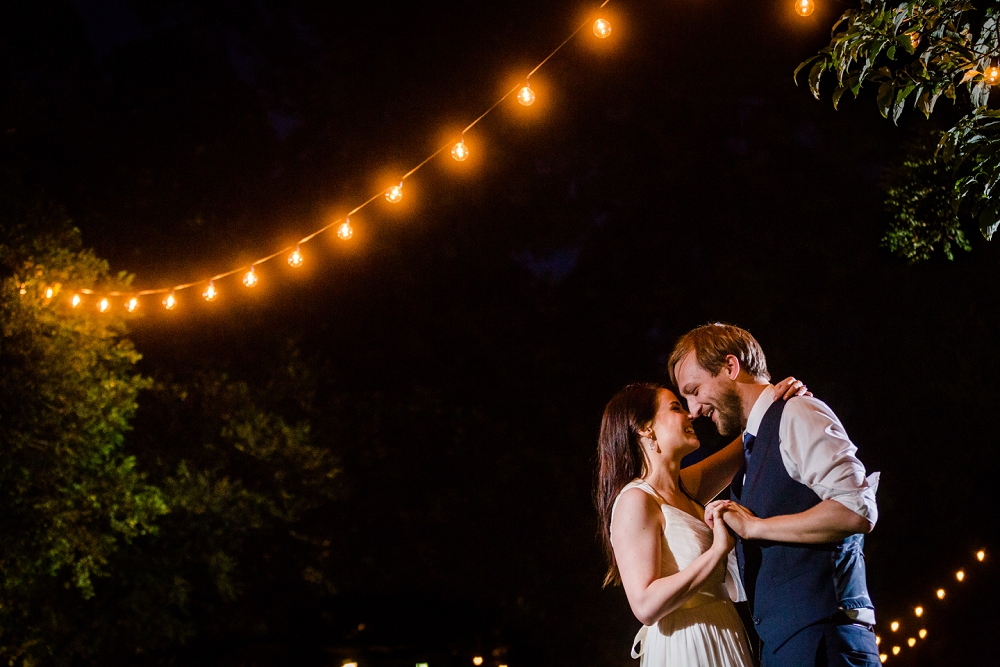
748 440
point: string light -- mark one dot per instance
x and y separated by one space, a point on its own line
896 650
170 302
460 151
132 304
526 96
478 660
295 259
602 28
250 278
878 640
345 231
980 555
923 633
394 194
75 300
104 305
992 75
882 657
960 575
350 664
894 626
48 293
919 611
911 642
940 593
210 292
804 7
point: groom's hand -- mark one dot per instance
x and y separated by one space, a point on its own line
739 518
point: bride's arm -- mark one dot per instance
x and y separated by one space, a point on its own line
708 478
637 538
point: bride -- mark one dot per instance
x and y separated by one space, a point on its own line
672 566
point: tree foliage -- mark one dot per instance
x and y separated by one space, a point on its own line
915 53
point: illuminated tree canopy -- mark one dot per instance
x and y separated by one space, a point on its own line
914 53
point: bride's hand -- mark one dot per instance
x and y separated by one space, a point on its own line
789 388
723 540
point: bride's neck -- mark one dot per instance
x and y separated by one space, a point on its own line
665 475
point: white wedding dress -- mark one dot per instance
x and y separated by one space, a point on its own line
706 631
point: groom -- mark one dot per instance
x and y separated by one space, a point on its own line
800 504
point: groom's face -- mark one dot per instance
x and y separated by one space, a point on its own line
712 396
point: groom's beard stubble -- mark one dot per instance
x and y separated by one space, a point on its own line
730 411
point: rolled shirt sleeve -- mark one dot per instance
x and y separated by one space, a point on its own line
817 452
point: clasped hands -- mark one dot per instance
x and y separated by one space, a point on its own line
742 521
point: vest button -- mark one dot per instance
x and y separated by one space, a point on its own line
756 621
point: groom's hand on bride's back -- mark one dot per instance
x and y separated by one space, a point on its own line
790 388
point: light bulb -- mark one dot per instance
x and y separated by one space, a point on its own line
878 640
250 278
170 302
960 575
894 626
940 593
394 194
896 650
48 295
992 76
103 305
980 556
922 633
911 642
526 96
919 611
882 657
460 151
478 660
210 292
804 7
345 231
75 300
24 289
132 304
295 259
602 28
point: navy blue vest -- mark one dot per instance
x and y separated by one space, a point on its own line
791 586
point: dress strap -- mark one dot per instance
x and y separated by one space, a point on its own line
640 640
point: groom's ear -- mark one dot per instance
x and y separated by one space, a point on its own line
732 367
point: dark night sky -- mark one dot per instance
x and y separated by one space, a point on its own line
673 176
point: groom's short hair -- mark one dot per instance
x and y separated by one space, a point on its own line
714 342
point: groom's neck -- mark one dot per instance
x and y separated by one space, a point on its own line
749 390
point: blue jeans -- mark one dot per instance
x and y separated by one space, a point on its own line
826 644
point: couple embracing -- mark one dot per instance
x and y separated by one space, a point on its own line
799 505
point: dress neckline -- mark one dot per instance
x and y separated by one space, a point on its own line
664 503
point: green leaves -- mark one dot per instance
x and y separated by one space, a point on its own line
921 51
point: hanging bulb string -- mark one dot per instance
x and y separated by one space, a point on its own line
339 222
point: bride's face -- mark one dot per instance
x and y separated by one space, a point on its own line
672 426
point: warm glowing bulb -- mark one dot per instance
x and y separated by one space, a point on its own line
24 290
922 633
394 194
478 660
894 626
882 657
911 642
460 151
919 611
48 295
980 556
960 575
295 259
940 593
345 231
992 76
132 304
350 664
526 95
170 302
896 650
602 28
878 640
804 7
210 292
75 300
104 305
250 279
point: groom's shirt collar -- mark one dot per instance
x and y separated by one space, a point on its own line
759 408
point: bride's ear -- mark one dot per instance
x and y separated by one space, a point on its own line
647 438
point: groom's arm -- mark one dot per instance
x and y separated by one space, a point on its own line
829 521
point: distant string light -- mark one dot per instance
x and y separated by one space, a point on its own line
804 7
919 611
104 305
992 75
525 95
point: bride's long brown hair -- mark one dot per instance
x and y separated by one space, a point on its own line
619 455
